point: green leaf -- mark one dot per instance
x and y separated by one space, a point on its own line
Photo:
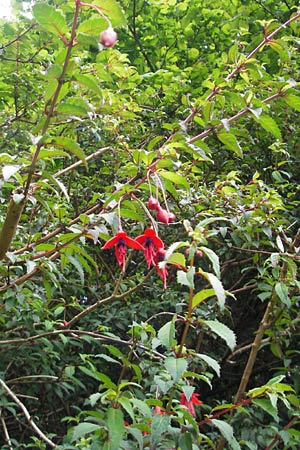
88 82
223 331
175 178
116 429
267 406
77 265
112 9
176 367
210 362
201 296
82 429
99 377
227 432
166 334
92 26
185 441
177 258
76 107
160 424
269 124
70 145
186 278
230 142
50 19
293 101
283 293
214 259
142 407
216 285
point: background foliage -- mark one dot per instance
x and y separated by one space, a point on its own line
197 107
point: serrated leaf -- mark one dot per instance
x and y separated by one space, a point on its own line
77 265
112 9
201 296
166 334
230 142
82 429
185 441
210 362
217 287
70 145
116 429
293 101
214 259
176 367
269 124
50 19
99 377
223 331
227 432
77 107
186 278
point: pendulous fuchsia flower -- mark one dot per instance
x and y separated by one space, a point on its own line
163 273
189 404
121 241
150 241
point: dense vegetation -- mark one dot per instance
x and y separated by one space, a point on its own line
150 233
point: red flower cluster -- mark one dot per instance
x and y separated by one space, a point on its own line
189 404
149 242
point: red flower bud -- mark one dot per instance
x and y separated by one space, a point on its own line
165 216
108 37
153 203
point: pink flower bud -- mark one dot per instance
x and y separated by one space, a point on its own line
153 203
165 216
108 37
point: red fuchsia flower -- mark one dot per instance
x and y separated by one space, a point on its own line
189 404
151 242
165 216
163 273
121 241
153 203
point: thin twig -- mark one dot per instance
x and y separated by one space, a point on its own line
27 414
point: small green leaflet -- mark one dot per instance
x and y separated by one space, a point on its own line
227 432
92 26
116 429
230 142
166 334
112 10
269 124
175 178
293 101
216 285
223 331
210 362
50 19
201 296
186 278
176 367
82 429
159 425
214 259
267 406
88 82
70 145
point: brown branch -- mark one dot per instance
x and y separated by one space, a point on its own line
278 437
27 414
